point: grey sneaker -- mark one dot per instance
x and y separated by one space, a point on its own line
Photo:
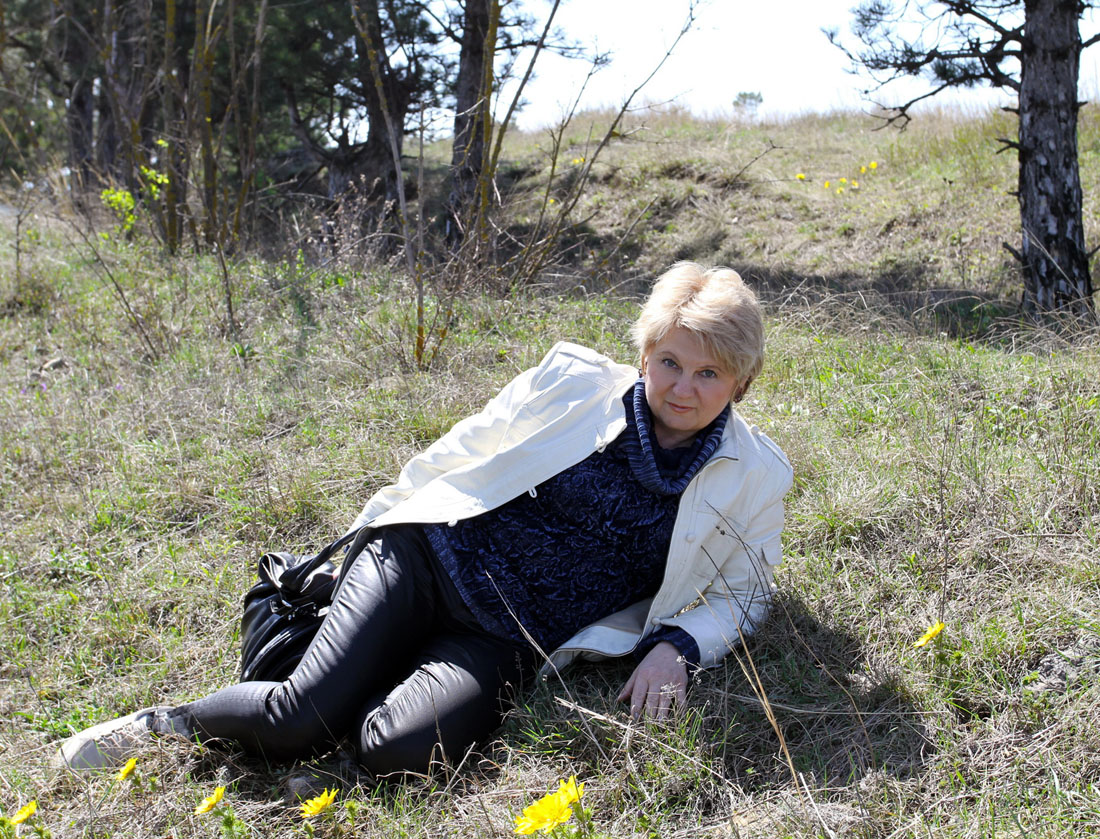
109 742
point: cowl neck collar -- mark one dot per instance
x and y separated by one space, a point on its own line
660 470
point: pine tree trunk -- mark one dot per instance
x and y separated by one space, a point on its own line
1055 261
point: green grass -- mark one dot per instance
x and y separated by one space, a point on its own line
946 465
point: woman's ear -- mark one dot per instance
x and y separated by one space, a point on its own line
742 389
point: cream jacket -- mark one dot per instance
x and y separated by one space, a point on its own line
725 542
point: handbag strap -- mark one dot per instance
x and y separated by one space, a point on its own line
358 541
356 538
332 547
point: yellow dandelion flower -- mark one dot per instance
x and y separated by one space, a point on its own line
801 176
550 810
210 802
873 164
316 806
930 633
840 190
577 161
855 184
127 770
863 170
552 201
25 812
827 184
843 181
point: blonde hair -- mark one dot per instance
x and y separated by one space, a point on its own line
714 304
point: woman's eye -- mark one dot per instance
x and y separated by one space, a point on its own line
707 374
668 362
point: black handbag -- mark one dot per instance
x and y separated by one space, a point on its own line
284 609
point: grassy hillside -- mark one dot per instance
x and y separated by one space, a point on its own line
947 466
921 209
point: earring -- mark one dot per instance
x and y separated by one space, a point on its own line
741 391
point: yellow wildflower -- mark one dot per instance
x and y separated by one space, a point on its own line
840 190
863 170
24 812
552 809
577 161
872 165
553 201
826 184
930 633
570 791
843 180
801 176
210 802
127 770
316 806
855 184
545 814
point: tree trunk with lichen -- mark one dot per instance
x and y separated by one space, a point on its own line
1053 248
475 66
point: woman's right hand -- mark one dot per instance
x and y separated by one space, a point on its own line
657 683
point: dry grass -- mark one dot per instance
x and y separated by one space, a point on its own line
928 220
946 468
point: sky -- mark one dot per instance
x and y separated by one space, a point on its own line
776 49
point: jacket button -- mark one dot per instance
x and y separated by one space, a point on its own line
690 537
656 621
452 522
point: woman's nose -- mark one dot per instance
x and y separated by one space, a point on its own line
682 386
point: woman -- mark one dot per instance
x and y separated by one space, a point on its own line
586 511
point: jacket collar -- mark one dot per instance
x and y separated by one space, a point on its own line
730 445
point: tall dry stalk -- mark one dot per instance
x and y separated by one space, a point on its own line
543 242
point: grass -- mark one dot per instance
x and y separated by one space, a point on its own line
690 189
946 467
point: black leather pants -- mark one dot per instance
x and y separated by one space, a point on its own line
399 666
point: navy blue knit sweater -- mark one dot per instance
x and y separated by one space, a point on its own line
589 541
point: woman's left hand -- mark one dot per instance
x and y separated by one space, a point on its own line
658 681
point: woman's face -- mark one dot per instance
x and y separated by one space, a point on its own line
686 387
